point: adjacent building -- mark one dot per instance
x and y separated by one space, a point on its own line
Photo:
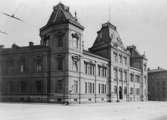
157 84
60 70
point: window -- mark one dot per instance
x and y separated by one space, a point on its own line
21 68
115 89
60 42
102 71
99 89
89 68
85 87
120 75
75 86
125 60
38 86
46 40
125 90
38 64
59 86
22 86
22 64
60 63
75 37
115 74
138 78
131 77
115 57
120 58
145 67
131 91
75 60
125 76
60 36
137 91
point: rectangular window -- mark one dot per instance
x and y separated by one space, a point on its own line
99 88
125 60
60 63
125 90
137 78
38 86
137 91
115 89
22 86
125 76
131 77
85 87
120 75
60 42
59 86
120 58
75 86
131 91
115 57
115 74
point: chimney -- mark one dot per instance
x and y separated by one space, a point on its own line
1 46
31 44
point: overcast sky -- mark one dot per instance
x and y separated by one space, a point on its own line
139 22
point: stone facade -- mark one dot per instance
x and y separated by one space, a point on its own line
157 80
60 70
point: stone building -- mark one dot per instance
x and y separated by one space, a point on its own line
60 70
157 84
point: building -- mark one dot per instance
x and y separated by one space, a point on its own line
157 84
60 70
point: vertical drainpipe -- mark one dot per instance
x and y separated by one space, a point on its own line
49 75
95 82
80 79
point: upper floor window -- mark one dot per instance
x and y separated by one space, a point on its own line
137 91
75 86
38 85
131 77
120 75
125 76
102 71
125 60
45 41
89 68
22 64
39 64
59 86
145 67
120 58
75 38
115 74
115 57
60 63
75 60
60 38
137 78
131 91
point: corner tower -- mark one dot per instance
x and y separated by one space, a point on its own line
63 35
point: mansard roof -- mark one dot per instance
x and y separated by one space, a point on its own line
134 52
61 14
108 35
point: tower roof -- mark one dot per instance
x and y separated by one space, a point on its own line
61 14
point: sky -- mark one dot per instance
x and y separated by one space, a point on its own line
139 22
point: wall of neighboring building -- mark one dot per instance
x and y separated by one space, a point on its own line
24 74
157 81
